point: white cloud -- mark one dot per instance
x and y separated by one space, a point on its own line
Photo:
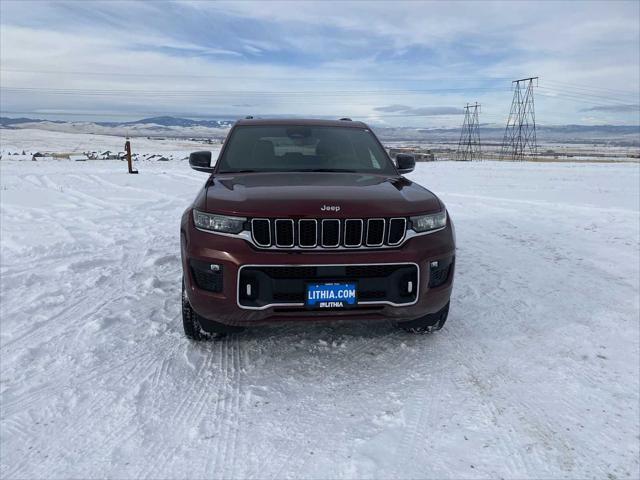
322 47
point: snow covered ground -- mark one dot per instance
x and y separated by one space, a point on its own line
33 140
536 374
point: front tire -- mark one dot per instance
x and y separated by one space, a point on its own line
428 324
191 321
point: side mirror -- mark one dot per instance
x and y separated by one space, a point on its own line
406 163
201 161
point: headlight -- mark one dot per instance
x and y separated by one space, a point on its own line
424 223
218 223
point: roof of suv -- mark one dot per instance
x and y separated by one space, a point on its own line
311 122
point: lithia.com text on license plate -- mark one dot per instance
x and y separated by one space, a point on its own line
331 295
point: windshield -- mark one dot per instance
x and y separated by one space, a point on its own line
273 148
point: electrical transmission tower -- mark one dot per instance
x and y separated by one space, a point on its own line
520 135
469 144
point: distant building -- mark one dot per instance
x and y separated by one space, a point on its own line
108 155
157 158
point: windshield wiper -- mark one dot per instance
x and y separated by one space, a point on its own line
240 171
325 170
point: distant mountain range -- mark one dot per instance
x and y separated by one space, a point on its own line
165 126
165 121
623 135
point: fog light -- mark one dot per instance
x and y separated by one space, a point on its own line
208 276
439 272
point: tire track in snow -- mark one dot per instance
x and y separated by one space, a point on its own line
181 413
56 384
211 458
378 333
88 438
127 428
429 404
59 382
225 418
74 429
238 397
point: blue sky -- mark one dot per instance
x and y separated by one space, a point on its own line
394 63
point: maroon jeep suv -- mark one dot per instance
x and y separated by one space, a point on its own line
305 220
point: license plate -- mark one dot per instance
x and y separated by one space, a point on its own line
331 295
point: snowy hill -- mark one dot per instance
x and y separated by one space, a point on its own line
150 127
216 128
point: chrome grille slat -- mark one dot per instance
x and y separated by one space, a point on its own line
309 233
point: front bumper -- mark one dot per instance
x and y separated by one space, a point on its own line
235 254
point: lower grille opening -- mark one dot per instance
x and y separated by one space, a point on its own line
396 284
362 309
289 272
288 297
370 270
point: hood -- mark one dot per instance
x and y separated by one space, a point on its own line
317 194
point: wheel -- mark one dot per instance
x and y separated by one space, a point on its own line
190 320
199 328
428 324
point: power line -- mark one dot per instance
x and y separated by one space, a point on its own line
330 78
575 99
585 95
592 88
211 93
380 77
220 116
469 144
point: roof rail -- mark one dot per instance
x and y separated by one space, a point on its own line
345 119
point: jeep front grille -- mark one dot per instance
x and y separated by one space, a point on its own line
287 233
